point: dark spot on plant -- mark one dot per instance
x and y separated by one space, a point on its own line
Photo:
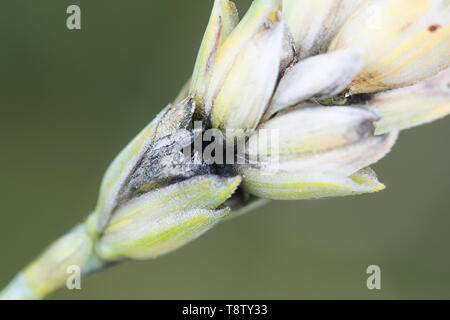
434 27
361 98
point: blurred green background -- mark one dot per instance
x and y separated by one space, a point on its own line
70 100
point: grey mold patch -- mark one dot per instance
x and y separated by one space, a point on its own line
168 159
